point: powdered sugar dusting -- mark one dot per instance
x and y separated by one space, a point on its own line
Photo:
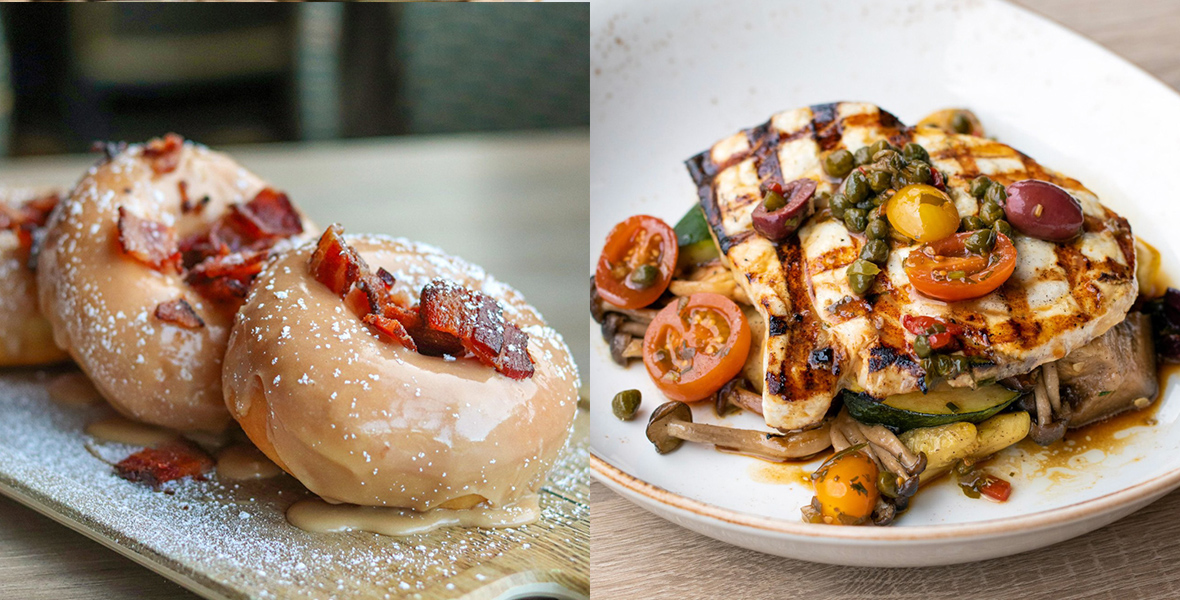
232 537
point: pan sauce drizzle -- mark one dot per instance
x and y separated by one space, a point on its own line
317 516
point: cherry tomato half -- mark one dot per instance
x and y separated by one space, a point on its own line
696 345
939 334
946 270
637 262
846 486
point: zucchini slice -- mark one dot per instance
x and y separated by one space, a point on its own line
696 243
909 411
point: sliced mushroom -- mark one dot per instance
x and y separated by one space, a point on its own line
735 395
671 424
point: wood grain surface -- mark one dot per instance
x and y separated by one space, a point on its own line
634 554
515 203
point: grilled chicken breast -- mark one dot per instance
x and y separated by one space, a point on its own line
821 337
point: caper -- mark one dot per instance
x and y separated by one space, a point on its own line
960 123
922 346
913 151
857 186
879 180
625 404
878 146
887 484
875 251
1004 228
856 219
996 193
839 163
979 186
971 223
863 156
861 275
644 276
838 204
918 172
773 201
981 241
991 212
877 229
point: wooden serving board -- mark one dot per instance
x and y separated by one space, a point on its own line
231 540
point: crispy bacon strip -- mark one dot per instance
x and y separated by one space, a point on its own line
153 244
156 466
449 318
25 220
164 154
227 278
269 215
179 312
334 263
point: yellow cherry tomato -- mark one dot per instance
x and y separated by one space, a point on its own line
846 486
923 213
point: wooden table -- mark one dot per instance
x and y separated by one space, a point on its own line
634 554
517 204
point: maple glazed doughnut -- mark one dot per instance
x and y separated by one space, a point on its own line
143 266
370 391
26 338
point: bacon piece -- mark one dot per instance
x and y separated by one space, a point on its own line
156 466
269 214
386 278
390 328
334 263
514 360
227 278
179 312
164 154
153 244
473 317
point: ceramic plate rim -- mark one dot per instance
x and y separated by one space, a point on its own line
617 479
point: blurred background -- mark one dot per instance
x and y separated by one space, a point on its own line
267 72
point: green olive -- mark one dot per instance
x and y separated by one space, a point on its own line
856 187
1004 228
856 219
922 346
875 251
971 223
960 123
877 229
996 193
981 241
879 180
863 156
839 163
644 276
991 212
861 275
773 201
625 404
979 186
913 151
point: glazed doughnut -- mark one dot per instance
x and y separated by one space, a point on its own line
25 336
359 417
143 266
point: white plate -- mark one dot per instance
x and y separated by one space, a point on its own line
671 77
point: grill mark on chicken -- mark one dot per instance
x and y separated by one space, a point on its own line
827 130
792 377
833 259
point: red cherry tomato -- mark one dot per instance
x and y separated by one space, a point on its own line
696 345
945 270
637 261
